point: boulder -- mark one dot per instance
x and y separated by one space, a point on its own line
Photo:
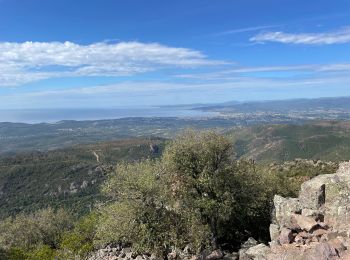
315 214
286 236
257 252
312 192
284 208
305 223
251 242
323 251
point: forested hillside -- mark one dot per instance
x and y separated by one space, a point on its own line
324 140
67 178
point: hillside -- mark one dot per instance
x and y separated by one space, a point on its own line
276 143
71 177
68 177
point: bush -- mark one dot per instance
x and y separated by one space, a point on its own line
79 241
140 214
196 194
27 232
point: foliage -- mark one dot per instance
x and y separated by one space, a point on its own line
79 241
195 194
67 178
279 143
26 232
140 214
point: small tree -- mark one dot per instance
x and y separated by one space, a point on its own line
139 214
199 174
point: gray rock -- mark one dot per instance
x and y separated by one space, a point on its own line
249 243
315 214
274 232
284 208
312 192
257 252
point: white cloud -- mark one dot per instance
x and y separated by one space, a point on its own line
326 38
21 63
238 72
162 93
247 29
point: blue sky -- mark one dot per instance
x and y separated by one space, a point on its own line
108 53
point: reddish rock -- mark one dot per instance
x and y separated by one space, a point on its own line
286 236
319 232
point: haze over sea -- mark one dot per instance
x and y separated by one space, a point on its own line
32 116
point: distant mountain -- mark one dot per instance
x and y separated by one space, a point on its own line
340 103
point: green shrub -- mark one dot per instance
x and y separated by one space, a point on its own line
196 194
79 241
45 227
140 214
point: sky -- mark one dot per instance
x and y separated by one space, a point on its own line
111 53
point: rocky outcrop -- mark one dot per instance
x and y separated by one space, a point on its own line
316 225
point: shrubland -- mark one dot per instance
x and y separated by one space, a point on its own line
196 193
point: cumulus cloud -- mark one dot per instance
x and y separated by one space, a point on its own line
30 61
326 38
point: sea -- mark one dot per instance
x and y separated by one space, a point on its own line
33 116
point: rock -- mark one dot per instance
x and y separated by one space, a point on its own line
274 232
299 240
324 251
315 214
217 254
286 236
284 208
319 232
312 192
323 225
337 244
130 255
305 223
337 210
304 234
231 256
126 250
257 252
249 243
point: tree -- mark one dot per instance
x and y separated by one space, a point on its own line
198 167
139 214
195 194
